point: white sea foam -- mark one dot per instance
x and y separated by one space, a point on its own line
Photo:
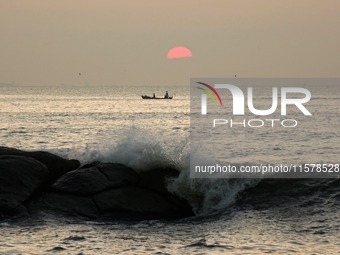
143 151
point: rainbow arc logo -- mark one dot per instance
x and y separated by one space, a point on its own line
211 92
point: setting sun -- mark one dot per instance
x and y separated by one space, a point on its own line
179 52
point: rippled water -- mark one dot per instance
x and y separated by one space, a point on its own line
237 231
76 120
75 117
115 124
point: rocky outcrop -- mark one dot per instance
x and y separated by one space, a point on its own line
56 165
136 202
96 178
96 190
65 203
156 179
20 177
84 182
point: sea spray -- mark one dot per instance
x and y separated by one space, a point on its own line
206 195
143 151
137 148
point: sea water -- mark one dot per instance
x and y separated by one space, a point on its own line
114 124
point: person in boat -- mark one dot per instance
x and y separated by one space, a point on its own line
153 96
166 94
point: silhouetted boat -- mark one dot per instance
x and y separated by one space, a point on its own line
148 97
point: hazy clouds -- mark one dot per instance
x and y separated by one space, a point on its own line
44 42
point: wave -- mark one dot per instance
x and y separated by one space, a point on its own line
137 148
143 151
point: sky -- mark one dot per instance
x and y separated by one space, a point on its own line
111 42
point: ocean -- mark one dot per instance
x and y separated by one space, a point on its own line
232 216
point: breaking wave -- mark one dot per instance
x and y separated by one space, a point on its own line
144 151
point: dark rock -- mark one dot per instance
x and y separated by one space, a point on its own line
89 181
156 180
92 164
56 165
82 182
66 203
11 208
20 177
118 174
108 189
95 190
135 201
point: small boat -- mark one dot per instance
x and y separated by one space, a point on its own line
149 97
166 96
